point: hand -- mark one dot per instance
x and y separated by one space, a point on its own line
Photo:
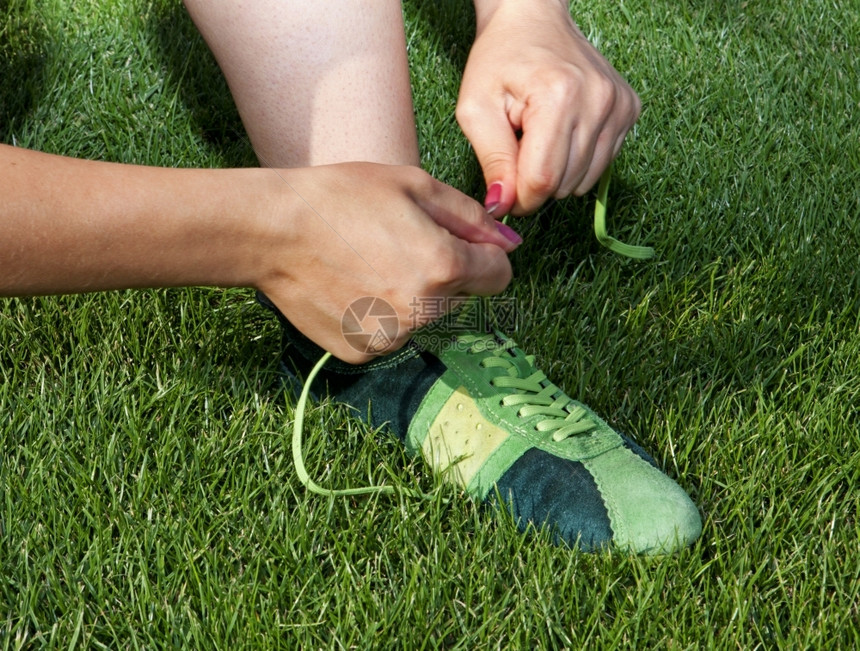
531 71
374 230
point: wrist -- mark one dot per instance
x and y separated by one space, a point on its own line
226 235
267 229
485 10
187 227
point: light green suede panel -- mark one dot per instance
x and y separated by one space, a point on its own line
461 439
435 432
649 512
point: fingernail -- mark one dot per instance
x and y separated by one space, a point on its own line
510 234
494 197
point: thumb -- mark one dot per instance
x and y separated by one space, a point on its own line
496 146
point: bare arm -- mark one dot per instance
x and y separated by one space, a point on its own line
74 225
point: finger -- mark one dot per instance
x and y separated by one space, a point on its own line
545 149
486 270
601 157
619 141
494 140
625 112
635 112
591 141
588 160
466 219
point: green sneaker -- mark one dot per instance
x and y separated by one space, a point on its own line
474 406
479 412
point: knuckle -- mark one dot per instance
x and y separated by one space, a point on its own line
604 97
419 180
637 106
415 174
499 275
579 190
562 88
505 276
527 203
498 158
562 85
525 207
449 267
628 105
542 182
467 113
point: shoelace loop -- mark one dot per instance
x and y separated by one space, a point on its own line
629 250
298 456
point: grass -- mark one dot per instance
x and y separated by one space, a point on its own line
147 496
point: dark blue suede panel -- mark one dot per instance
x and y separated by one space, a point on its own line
558 492
637 450
386 395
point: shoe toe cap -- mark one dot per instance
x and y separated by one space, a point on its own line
649 513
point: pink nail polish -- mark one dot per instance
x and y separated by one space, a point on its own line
510 234
494 197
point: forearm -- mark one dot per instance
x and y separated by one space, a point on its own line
74 226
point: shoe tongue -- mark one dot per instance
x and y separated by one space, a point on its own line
470 348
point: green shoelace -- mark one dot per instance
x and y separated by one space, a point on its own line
298 457
535 394
628 250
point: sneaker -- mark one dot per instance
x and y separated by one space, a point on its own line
479 412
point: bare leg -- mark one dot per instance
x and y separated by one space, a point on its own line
316 82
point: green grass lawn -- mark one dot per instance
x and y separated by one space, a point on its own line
147 494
